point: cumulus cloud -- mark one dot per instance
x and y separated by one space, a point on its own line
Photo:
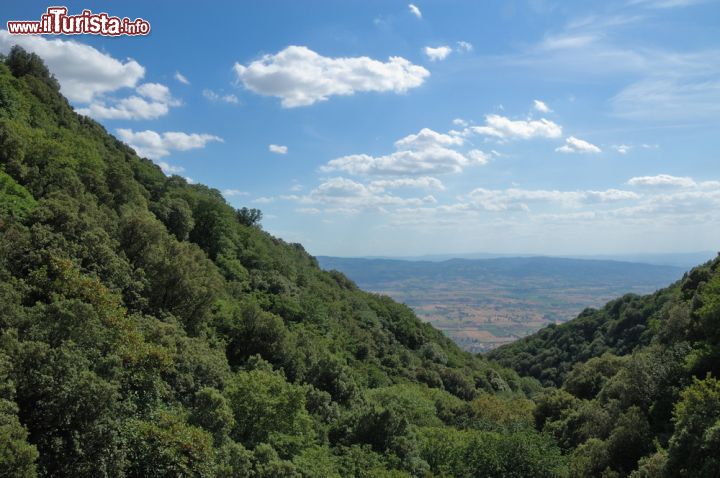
155 145
427 138
347 196
521 199
152 101
83 71
181 78
155 92
437 53
541 106
504 128
132 108
225 98
426 152
87 76
301 77
415 10
576 145
478 157
278 149
662 180
464 46
424 182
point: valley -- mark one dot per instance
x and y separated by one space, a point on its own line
484 303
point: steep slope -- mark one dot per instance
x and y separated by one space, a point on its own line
619 327
147 328
638 392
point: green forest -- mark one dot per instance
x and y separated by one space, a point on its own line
149 329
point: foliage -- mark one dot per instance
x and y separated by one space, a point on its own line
147 328
642 407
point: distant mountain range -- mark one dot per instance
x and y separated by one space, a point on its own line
483 303
679 259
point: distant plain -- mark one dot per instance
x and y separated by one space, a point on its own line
484 303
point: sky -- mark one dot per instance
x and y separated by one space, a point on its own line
388 128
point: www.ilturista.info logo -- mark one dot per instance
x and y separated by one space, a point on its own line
57 22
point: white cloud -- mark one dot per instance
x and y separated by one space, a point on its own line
87 75
302 77
83 71
342 195
460 122
622 148
437 53
415 10
278 149
665 3
156 92
155 145
541 106
478 156
264 200
521 199
576 145
427 138
181 78
431 161
213 96
169 168
662 180
132 108
427 152
505 128
234 192
154 100
464 46
424 182
565 42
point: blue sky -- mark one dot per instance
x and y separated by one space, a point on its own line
381 128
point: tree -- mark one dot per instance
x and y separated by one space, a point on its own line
694 445
249 217
23 63
264 404
167 447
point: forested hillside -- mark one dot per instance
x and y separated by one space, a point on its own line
637 381
148 329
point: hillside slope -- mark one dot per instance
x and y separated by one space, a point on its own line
637 388
147 328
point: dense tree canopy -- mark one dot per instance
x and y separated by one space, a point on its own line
147 328
637 389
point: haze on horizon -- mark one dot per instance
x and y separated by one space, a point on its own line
379 129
